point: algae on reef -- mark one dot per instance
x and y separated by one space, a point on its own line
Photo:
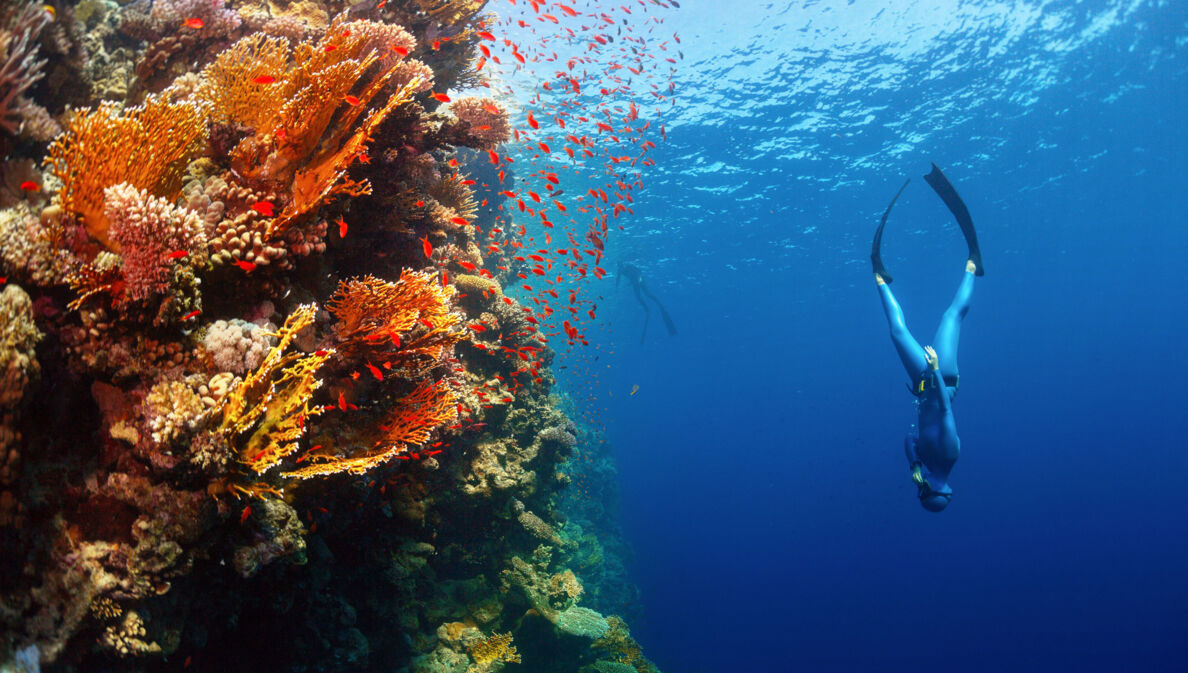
234 436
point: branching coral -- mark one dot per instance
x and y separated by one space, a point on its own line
407 323
265 416
411 421
19 68
148 231
486 121
146 147
289 98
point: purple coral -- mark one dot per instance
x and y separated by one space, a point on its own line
19 66
148 229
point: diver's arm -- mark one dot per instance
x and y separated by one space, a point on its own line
909 448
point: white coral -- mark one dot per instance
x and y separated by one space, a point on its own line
237 346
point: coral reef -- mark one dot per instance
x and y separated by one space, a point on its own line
264 406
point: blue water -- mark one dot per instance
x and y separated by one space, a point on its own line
765 488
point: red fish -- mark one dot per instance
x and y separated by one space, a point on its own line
30 186
177 254
351 100
264 79
375 371
485 35
532 121
342 227
442 97
248 267
427 246
460 221
265 208
400 50
247 511
191 315
195 23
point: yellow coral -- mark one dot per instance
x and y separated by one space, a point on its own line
265 416
494 648
147 146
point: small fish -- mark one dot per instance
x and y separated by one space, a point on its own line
491 107
485 35
177 254
195 23
532 121
634 389
265 208
460 221
400 50
247 511
351 100
427 246
191 315
442 97
375 371
321 353
329 47
342 227
30 186
246 266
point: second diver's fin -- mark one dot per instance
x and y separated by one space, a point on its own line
944 189
876 256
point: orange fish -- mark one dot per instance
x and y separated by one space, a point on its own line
442 97
248 267
264 79
351 100
177 254
265 208
400 50
342 227
195 23
374 371
485 35
329 47
30 186
532 121
247 511
461 221
427 246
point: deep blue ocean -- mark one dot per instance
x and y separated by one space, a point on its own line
763 481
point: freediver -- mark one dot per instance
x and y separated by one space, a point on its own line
632 273
933 447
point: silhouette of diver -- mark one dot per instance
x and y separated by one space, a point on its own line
632 273
934 447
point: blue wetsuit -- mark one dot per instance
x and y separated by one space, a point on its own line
934 447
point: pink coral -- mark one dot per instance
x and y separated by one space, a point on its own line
487 119
148 229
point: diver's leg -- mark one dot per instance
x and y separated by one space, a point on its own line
910 352
948 333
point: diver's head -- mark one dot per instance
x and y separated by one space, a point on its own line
935 501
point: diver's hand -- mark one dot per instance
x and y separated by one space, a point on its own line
879 280
970 267
931 358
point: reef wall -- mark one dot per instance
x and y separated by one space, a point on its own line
264 407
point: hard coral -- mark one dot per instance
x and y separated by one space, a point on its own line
148 231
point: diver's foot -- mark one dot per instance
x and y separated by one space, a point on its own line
970 267
879 280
